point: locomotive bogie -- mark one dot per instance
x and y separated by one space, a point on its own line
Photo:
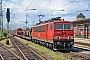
63 44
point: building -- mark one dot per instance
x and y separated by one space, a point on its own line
82 26
80 17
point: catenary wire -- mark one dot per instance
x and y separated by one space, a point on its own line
25 10
4 3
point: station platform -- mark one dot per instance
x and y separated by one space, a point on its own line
82 41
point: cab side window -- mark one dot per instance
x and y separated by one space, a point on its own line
50 26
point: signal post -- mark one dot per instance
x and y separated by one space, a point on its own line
8 20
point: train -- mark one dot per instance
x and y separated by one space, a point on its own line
55 33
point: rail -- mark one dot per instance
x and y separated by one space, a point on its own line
26 51
23 56
5 53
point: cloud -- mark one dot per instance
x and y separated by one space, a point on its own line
49 8
15 0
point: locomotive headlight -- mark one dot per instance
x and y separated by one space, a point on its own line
56 37
70 37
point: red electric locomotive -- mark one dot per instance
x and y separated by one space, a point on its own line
55 33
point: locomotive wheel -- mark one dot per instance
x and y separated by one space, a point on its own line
32 40
43 43
50 45
47 44
37 42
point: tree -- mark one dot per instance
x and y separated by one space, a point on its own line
5 34
27 28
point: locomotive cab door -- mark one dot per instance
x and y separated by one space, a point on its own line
50 33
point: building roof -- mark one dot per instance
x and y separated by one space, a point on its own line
80 15
86 21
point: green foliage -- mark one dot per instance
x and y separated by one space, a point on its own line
5 34
46 51
27 28
8 42
1 35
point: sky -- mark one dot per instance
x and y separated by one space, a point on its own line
48 8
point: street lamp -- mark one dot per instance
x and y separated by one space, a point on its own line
31 9
56 10
87 10
83 10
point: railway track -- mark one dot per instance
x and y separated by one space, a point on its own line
76 55
25 52
82 46
6 54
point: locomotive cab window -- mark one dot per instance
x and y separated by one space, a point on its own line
50 26
63 27
39 29
58 26
68 27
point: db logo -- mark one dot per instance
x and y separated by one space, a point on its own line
38 34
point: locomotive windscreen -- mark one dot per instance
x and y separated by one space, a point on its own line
58 26
63 27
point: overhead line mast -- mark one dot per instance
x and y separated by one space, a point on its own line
1 17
